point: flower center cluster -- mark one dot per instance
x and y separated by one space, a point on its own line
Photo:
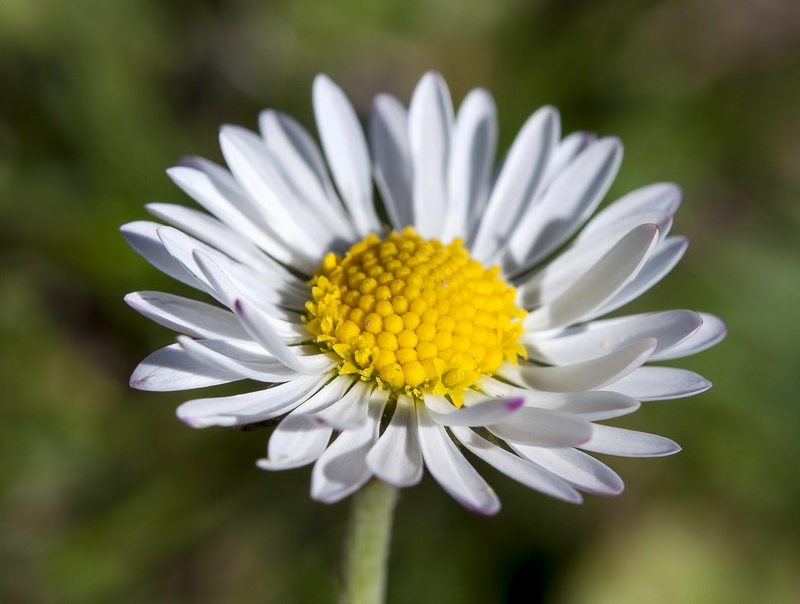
414 315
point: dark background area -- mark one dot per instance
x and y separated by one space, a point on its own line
105 497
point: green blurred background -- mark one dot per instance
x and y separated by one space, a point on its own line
105 497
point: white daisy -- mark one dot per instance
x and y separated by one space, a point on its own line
434 320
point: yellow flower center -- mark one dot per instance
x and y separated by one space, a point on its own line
414 315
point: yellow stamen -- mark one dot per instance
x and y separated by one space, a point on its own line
414 315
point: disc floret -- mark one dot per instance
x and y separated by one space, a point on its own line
414 315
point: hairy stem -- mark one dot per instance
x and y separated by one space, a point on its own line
367 544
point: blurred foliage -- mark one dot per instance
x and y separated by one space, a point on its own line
104 497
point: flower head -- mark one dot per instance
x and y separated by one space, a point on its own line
457 312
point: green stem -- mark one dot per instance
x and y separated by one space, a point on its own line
367 544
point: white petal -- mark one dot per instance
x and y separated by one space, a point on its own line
396 457
351 411
518 182
599 405
190 317
142 236
430 120
587 375
227 357
218 192
663 258
565 152
521 470
210 230
664 197
579 469
543 428
224 277
250 407
554 278
471 157
346 152
259 175
342 468
392 155
180 246
216 189
711 332
286 137
504 389
598 338
248 160
451 470
599 283
171 369
484 413
300 164
186 250
629 443
660 383
299 439
262 328
592 406
273 181
568 201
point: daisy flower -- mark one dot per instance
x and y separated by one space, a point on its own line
456 312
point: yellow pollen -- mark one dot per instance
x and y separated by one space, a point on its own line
414 315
